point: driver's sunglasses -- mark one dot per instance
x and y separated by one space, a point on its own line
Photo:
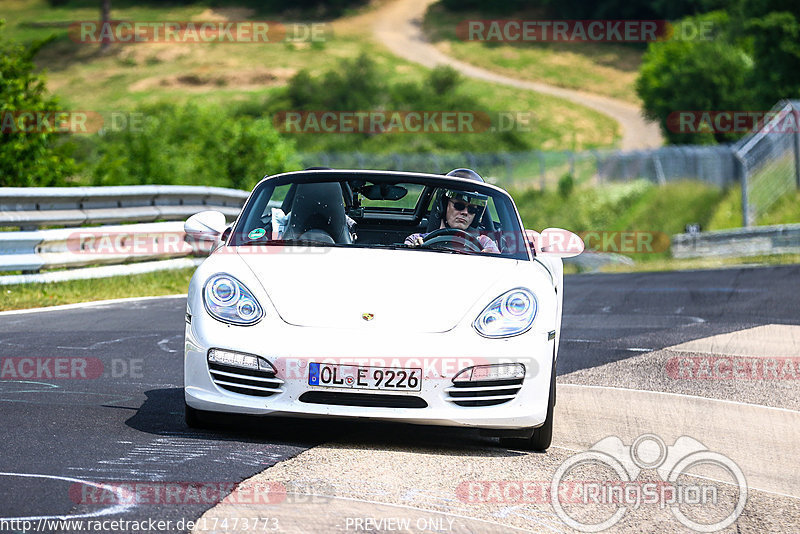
471 208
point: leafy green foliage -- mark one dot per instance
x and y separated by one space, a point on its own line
190 145
776 49
316 8
693 75
588 9
751 62
35 157
360 85
566 184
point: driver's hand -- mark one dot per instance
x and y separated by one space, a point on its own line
418 241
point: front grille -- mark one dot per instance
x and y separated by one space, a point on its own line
363 399
486 393
251 382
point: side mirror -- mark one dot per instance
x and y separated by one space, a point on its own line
205 226
556 241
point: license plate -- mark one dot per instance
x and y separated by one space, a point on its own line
362 377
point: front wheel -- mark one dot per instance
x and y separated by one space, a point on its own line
193 417
543 435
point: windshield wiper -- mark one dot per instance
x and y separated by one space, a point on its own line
444 249
273 242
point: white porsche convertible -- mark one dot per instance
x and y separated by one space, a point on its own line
378 295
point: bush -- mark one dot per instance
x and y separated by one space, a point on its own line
190 145
565 185
359 85
35 158
693 75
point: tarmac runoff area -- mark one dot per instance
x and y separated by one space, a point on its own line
420 479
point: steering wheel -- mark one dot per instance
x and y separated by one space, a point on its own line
452 238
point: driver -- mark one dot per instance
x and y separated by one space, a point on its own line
460 212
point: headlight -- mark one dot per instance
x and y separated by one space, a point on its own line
228 300
509 314
240 359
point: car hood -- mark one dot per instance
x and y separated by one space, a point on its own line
404 290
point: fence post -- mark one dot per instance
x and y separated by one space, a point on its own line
796 151
746 219
660 178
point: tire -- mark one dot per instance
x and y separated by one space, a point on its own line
542 435
193 417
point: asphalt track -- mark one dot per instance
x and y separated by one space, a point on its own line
125 425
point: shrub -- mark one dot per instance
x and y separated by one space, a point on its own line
35 158
190 145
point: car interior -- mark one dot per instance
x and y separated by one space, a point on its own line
359 212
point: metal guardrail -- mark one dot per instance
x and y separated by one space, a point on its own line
32 250
28 208
740 242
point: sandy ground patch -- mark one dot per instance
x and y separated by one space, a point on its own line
209 79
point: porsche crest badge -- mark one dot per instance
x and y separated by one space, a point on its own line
367 316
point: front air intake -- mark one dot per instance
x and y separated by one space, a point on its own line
484 393
257 383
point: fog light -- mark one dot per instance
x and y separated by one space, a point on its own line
239 359
485 373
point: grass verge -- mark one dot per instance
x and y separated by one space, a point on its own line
692 264
250 73
24 296
601 68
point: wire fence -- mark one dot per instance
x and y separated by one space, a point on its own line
539 169
766 162
770 161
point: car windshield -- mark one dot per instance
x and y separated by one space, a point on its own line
375 210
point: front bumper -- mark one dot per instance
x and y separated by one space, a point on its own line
440 355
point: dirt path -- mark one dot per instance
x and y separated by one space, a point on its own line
398 26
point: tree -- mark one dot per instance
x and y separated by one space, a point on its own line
27 158
696 75
773 27
105 18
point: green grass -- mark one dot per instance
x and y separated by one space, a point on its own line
224 73
645 207
689 264
602 68
25 296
